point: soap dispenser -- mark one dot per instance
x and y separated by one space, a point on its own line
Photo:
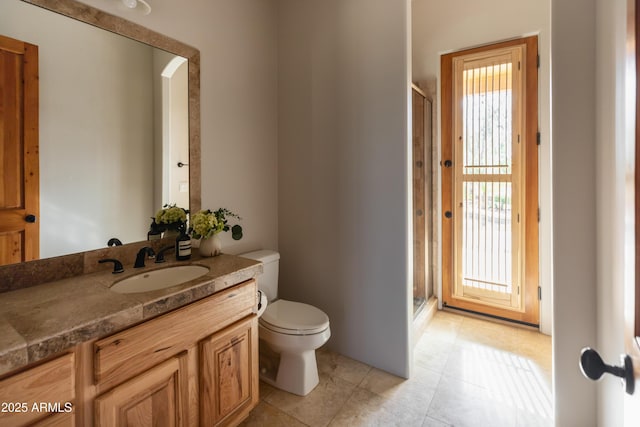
183 245
155 232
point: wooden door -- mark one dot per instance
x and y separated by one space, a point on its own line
489 180
157 397
19 170
229 374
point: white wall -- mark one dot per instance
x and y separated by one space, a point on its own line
574 205
238 71
610 167
95 139
343 156
444 26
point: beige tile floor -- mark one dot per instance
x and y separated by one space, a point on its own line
468 372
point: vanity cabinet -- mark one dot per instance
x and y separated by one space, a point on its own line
194 366
197 365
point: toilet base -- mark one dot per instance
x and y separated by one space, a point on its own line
297 373
290 364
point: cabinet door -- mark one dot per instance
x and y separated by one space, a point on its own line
229 374
157 397
38 392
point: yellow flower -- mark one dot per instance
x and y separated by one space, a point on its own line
171 214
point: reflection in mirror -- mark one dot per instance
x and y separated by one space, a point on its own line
117 118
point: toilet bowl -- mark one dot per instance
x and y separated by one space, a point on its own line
290 333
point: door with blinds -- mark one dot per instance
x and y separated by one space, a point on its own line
489 176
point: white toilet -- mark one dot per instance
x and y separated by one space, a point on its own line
292 332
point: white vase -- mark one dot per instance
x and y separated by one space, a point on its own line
211 246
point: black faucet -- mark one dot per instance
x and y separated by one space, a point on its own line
142 254
160 254
117 265
114 241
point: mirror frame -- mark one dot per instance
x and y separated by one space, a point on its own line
117 25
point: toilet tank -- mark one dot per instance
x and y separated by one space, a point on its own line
268 281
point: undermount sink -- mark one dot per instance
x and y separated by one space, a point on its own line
159 279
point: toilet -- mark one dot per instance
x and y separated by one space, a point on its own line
290 332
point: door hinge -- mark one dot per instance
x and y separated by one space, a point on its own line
538 214
539 293
518 65
538 138
538 60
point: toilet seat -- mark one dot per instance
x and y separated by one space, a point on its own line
294 318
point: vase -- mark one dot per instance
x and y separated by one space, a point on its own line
211 246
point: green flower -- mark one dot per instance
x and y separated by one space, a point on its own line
206 223
171 216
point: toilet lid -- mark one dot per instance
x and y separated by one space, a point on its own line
294 318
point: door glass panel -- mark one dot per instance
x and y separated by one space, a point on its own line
486 231
487 179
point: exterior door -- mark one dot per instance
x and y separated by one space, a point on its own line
19 170
489 176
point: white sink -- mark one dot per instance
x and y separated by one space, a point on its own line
159 279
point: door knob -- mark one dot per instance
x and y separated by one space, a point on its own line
30 218
593 367
447 163
448 214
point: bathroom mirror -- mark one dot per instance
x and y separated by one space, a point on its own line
104 155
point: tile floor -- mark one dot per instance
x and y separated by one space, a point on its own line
468 372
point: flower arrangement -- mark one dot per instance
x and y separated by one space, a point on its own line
206 223
170 217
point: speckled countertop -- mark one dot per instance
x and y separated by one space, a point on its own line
43 320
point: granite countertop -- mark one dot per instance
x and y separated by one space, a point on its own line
44 320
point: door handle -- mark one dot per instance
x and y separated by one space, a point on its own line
593 367
30 218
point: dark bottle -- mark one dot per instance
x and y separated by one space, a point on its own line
183 246
155 232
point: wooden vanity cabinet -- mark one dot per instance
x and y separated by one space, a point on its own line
196 365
